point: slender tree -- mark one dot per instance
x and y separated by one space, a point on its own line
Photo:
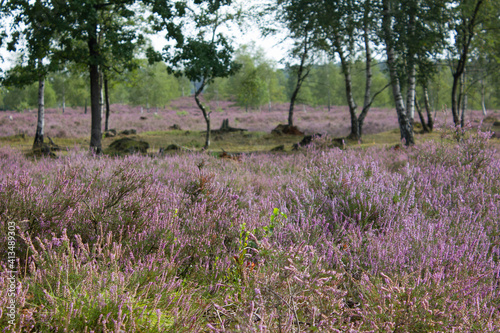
405 125
467 19
34 34
412 30
204 57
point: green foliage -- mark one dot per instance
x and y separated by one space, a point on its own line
152 86
277 218
22 98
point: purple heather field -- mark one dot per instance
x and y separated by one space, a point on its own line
184 112
320 240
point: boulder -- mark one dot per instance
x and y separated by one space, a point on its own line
287 130
111 133
175 127
128 132
127 146
279 148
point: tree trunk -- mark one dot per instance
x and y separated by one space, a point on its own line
411 72
38 142
346 70
301 76
463 98
95 95
468 33
206 114
483 105
101 100
404 123
430 120
63 99
106 96
421 116
411 95
368 100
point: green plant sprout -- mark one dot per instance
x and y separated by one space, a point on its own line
275 220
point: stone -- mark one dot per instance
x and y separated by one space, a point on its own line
287 130
175 127
279 148
127 146
128 132
110 133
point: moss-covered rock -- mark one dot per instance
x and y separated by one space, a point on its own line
127 146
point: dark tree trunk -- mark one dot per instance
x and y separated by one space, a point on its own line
430 120
403 120
106 96
421 116
38 142
467 34
302 73
203 109
463 98
95 95
346 70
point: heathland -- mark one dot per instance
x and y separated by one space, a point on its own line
368 236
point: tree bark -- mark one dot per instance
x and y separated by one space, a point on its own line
346 70
203 109
368 100
430 120
421 116
301 76
483 105
412 71
95 94
106 97
468 33
404 123
463 98
38 142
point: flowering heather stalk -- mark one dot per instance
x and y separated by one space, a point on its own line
327 239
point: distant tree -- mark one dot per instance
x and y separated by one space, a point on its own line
204 57
324 80
292 16
257 82
34 35
152 86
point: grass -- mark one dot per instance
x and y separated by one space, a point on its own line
235 142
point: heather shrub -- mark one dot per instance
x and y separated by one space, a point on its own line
289 290
88 202
209 219
321 239
100 288
409 303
